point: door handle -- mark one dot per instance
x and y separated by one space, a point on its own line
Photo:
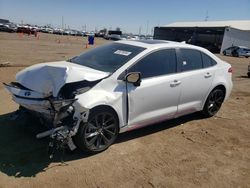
207 75
175 83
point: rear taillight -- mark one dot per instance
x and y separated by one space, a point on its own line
230 70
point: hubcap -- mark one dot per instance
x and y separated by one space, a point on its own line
100 131
215 101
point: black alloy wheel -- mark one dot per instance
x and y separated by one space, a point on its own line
214 102
99 132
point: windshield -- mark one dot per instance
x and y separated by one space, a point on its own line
107 58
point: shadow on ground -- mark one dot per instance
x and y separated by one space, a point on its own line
242 76
22 155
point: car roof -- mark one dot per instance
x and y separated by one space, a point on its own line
238 47
152 41
243 47
158 44
153 44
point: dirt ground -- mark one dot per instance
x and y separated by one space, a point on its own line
186 152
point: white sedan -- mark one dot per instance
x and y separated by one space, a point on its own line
119 87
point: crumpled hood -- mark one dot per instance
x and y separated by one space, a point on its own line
48 78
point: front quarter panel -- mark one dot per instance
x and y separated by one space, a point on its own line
108 93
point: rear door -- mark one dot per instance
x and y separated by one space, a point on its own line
196 79
157 97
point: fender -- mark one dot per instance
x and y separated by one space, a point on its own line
94 98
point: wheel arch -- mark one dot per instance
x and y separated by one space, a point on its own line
220 86
105 106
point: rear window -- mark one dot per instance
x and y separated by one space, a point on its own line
189 59
207 61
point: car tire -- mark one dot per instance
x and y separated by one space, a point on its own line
213 102
224 53
248 74
246 56
99 132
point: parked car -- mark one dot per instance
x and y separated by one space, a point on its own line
114 37
46 29
237 51
119 87
58 31
7 28
26 29
101 33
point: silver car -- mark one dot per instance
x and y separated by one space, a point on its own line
237 51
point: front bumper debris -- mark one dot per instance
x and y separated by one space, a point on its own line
58 114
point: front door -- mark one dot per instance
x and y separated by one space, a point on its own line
156 99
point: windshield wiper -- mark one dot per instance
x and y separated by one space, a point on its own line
71 60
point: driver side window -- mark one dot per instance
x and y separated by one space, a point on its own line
158 63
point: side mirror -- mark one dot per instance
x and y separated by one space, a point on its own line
134 78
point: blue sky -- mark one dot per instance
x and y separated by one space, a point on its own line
129 15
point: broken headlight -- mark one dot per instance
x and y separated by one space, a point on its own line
62 104
70 90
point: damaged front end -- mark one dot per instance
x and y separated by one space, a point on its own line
49 91
57 113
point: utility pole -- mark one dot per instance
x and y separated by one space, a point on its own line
62 22
206 18
140 31
147 29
